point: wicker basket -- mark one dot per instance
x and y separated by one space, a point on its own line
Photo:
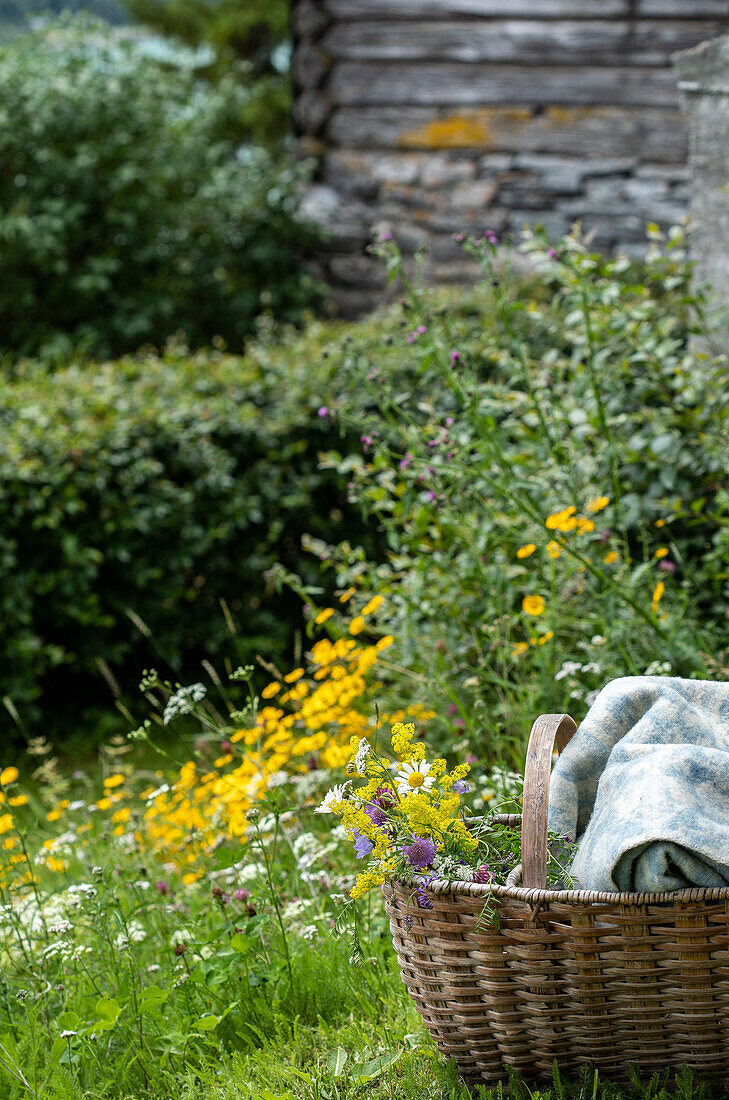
573 975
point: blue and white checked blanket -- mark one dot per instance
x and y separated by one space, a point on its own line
643 786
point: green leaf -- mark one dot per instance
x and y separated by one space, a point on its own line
335 1061
368 1071
207 1023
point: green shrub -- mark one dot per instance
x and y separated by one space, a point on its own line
155 487
128 208
259 35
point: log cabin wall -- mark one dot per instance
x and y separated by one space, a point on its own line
431 117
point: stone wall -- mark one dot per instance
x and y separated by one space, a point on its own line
430 117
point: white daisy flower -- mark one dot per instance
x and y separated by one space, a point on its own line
413 776
360 759
336 794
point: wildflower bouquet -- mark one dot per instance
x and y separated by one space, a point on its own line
408 818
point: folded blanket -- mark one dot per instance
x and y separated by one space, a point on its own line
643 786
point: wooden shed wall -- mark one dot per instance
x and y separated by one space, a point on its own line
430 117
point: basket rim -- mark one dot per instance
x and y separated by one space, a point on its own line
571 897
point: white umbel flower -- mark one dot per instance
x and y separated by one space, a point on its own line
414 776
336 794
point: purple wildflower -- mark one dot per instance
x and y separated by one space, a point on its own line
432 495
455 356
375 814
552 253
461 785
406 460
667 566
412 337
385 235
242 894
367 441
484 874
423 900
362 846
162 887
420 853
385 797
448 421
323 411
421 329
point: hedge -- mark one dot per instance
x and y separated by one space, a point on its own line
145 491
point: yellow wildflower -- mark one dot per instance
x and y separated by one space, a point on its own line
657 595
526 551
661 552
598 504
563 520
270 690
323 615
402 737
6 823
519 649
357 625
372 606
546 638
113 781
292 677
346 595
9 775
533 605
610 557
554 549
660 523
384 643
585 526
19 800
53 815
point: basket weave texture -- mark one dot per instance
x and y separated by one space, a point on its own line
573 975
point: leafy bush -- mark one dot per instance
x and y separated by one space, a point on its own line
128 209
155 488
259 35
547 459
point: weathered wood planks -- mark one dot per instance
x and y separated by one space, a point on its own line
602 42
446 83
530 9
654 134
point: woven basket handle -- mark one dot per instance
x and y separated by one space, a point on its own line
548 730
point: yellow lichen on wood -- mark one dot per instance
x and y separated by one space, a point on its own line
466 130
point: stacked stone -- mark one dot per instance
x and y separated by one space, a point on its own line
434 117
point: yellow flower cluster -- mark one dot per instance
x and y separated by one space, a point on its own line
567 520
315 717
